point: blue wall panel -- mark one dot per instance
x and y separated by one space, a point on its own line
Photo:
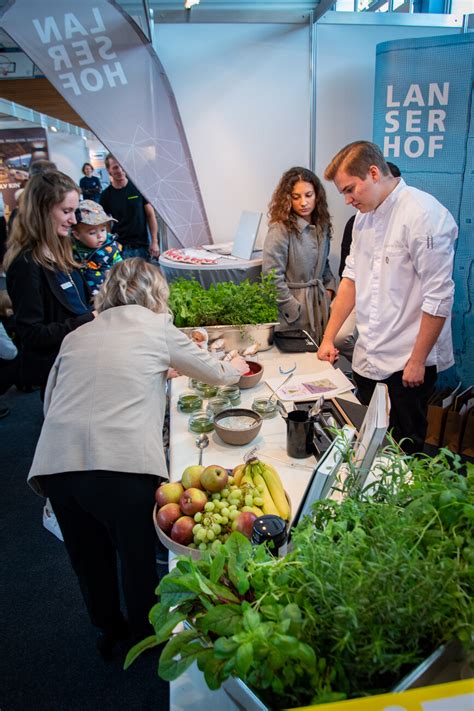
424 121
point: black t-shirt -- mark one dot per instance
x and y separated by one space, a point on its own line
127 206
90 187
346 243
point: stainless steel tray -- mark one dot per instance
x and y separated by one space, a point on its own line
240 337
447 662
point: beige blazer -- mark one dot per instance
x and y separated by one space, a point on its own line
105 397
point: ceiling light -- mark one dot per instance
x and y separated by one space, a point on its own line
188 4
53 129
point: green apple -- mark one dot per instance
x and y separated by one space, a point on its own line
191 478
214 478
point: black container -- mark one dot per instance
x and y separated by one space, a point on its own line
299 434
270 529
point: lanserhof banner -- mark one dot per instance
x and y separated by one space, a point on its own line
102 64
424 122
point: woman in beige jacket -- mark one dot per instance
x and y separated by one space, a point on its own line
100 450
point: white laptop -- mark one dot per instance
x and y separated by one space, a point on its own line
244 238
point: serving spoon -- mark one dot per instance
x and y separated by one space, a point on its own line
202 441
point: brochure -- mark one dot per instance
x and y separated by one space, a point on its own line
327 383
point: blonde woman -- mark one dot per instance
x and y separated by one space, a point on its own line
100 451
49 295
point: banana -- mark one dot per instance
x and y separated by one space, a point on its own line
238 473
275 487
257 511
268 504
246 479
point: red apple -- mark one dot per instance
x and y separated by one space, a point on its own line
168 493
167 515
182 531
192 500
191 478
214 478
244 523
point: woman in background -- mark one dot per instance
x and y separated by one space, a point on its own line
49 295
297 249
90 184
106 401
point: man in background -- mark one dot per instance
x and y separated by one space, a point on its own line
398 275
125 203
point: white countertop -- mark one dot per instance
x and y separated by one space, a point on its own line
190 689
270 442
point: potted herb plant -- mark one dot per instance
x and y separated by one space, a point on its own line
373 585
241 313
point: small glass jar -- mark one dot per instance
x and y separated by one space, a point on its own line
192 382
265 407
205 390
232 392
217 404
189 401
201 421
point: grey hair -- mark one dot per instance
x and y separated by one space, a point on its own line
133 281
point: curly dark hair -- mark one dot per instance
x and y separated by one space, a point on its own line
279 209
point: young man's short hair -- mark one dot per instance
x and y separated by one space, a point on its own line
356 159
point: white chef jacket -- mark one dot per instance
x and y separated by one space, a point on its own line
401 261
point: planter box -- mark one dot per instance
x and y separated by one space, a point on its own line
448 655
240 337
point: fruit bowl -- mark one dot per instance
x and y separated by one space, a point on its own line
249 380
171 545
226 421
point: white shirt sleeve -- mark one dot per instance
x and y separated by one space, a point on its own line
431 249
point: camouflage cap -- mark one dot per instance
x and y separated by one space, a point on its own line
91 213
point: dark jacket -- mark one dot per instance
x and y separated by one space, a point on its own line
346 243
43 317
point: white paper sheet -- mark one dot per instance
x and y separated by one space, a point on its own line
327 383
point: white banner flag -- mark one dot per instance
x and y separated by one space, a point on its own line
105 68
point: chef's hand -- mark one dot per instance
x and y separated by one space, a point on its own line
328 351
172 373
240 364
413 374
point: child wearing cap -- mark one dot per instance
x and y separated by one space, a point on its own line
94 249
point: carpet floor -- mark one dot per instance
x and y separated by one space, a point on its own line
48 660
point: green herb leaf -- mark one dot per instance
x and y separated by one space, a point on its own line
217 565
180 652
136 650
223 620
244 658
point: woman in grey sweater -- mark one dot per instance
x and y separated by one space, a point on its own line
297 249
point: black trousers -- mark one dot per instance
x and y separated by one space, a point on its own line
102 514
408 406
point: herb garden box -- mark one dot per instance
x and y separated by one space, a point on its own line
448 655
373 584
250 309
